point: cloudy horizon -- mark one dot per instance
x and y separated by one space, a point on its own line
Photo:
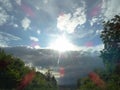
67 68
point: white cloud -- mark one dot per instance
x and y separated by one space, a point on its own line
15 25
84 34
18 2
25 23
37 47
44 70
29 65
92 48
34 39
3 16
34 47
5 38
99 47
94 20
110 8
6 4
73 47
38 31
8 37
98 32
68 22
46 1
3 43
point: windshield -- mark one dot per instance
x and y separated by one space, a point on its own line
63 43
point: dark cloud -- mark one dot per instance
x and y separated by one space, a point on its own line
75 63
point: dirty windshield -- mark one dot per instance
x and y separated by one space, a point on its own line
59 45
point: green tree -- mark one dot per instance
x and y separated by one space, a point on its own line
14 73
11 71
40 83
86 84
111 39
111 58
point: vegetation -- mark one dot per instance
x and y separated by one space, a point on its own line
111 82
110 78
111 39
14 75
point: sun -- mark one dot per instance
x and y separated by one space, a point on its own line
61 44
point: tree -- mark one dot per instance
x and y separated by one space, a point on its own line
14 75
111 58
111 39
86 84
11 71
40 83
48 75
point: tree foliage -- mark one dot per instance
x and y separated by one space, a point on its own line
11 70
40 82
111 58
111 39
14 75
87 84
112 82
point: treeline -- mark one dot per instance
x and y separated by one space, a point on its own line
14 75
108 79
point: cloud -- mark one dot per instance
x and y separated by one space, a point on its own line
6 4
5 7
79 67
3 16
26 23
5 38
110 8
98 32
94 20
37 47
46 1
44 70
15 25
61 43
76 64
8 37
2 42
38 31
34 39
34 44
91 49
69 22
83 34
18 2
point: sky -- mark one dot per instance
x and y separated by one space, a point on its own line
40 23
62 25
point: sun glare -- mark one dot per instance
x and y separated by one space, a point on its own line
61 44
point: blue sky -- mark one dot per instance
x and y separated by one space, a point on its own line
38 23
